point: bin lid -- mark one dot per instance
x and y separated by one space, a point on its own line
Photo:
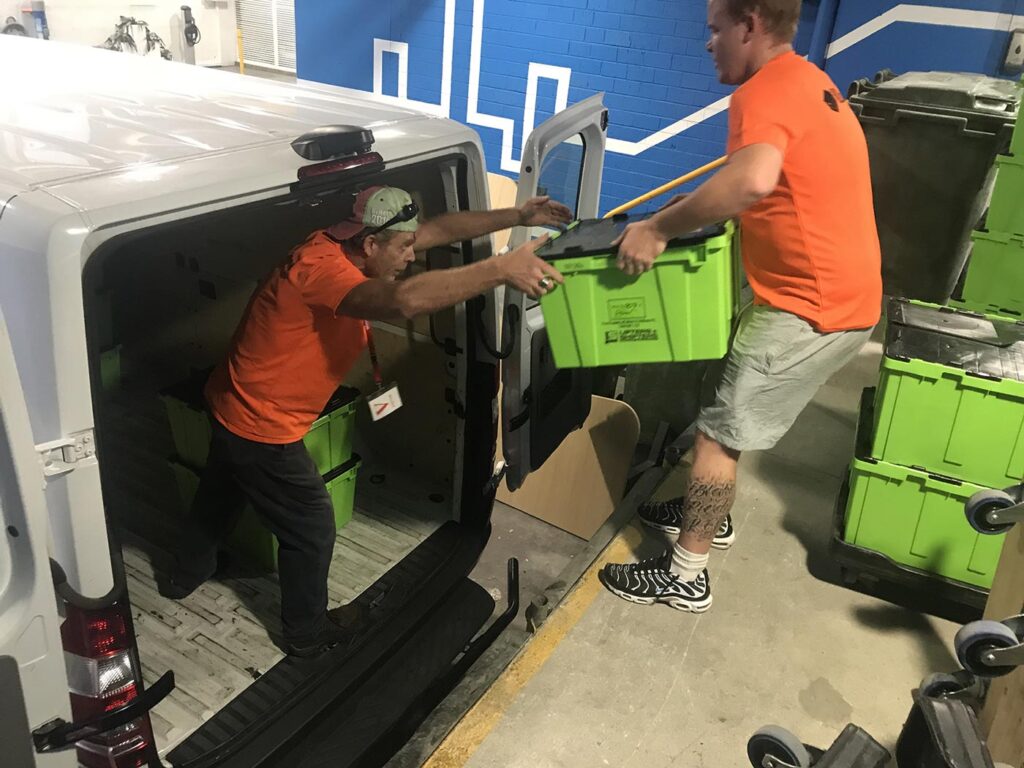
342 396
190 390
353 463
947 91
594 237
972 343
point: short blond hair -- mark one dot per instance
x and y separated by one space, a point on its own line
780 17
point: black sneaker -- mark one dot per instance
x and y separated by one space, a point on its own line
651 581
667 516
339 628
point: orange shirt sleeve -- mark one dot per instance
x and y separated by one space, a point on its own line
758 117
324 276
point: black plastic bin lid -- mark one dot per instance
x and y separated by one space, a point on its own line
963 340
337 472
594 237
342 396
190 390
949 91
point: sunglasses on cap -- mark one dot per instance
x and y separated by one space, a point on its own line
409 212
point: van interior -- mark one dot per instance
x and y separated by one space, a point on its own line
162 305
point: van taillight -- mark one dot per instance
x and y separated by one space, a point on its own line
103 676
308 172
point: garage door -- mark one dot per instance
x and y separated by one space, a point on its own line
268 32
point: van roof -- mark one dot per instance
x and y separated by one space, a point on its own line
72 113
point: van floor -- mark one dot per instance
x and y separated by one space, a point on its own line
219 639
222 637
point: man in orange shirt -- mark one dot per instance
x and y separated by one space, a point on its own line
300 335
798 178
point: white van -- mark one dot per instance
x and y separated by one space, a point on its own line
140 203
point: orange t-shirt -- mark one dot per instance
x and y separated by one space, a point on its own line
292 350
811 246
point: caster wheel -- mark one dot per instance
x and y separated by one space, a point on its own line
980 504
961 684
976 639
772 745
939 686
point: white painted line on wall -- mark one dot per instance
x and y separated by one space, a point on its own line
506 125
634 148
560 75
905 12
380 47
924 14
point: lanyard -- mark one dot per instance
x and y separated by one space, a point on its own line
378 379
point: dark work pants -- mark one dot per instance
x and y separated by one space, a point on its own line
284 487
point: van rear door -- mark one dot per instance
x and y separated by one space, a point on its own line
541 405
32 674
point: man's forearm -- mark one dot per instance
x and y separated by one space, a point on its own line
751 174
723 196
468 225
435 290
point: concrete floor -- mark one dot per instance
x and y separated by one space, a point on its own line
648 686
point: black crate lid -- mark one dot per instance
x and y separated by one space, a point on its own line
190 390
963 340
337 472
594 237
342 396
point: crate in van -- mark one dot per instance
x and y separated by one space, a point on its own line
329 440
250 537
123 215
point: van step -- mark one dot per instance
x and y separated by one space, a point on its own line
368 727
290 697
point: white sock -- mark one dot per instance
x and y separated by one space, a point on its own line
686 565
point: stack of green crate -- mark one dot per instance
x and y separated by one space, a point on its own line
947 421
329 442
995 276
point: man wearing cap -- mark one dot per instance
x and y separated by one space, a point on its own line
299 337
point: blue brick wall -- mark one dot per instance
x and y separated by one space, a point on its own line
646 56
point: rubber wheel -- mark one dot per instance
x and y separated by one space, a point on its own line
976 639
939 686
980 504
779 743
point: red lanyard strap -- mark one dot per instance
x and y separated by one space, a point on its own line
378 379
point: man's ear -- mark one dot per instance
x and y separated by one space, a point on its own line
371 245
751 23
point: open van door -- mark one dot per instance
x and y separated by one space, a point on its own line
32 673
563 158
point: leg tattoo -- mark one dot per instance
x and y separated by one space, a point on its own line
707 504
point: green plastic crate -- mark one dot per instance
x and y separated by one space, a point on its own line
680 310
329 440
1017 139
110 368
992 313
1006 209
916 518
995 276
250 538
190 424
950 395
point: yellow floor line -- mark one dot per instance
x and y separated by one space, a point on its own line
469 734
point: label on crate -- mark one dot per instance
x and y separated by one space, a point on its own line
626 320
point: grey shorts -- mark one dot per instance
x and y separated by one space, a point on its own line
776 364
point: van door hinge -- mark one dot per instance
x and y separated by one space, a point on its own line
63 455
